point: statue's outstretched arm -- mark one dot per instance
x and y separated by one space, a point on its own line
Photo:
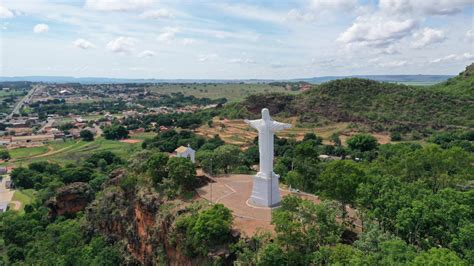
278 126
254 123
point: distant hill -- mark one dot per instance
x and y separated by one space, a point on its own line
410 79
420 79
462 84
387 105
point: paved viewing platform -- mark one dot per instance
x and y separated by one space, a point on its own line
233 191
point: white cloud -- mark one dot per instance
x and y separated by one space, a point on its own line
252 12
426 7
391 64
454 57
391 49
396 6
470 34
188 41
242 60
117 5
245 36
5 12
320 9
41 28
427 36
146 53
83 44
377 31
207 57
332 5
156 14
121 45
288 38
387 64
167 35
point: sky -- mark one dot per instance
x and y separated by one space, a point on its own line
194 39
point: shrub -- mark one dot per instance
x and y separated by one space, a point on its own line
362 143
206 229
395 136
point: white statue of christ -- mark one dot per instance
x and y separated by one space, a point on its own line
265 184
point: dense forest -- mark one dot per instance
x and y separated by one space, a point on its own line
384 106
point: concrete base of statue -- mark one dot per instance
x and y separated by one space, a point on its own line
265 190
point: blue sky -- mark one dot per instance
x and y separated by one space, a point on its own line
234 39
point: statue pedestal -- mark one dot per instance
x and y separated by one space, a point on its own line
265 191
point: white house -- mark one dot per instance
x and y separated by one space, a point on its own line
186 152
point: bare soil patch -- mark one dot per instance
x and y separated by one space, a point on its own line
382 137
237 132
131 141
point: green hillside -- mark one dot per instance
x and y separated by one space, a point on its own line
462 85
382 104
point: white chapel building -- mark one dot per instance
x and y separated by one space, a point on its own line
186 152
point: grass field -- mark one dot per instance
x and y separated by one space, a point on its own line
27 152
143 136
25 197
233 92
70 151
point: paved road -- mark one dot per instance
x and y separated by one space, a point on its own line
25 99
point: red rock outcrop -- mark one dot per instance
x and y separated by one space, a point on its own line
136 219
70 199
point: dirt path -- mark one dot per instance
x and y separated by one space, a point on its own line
51 152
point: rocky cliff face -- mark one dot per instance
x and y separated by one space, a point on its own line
70 199
143 222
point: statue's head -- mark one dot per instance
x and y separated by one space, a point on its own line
265 114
